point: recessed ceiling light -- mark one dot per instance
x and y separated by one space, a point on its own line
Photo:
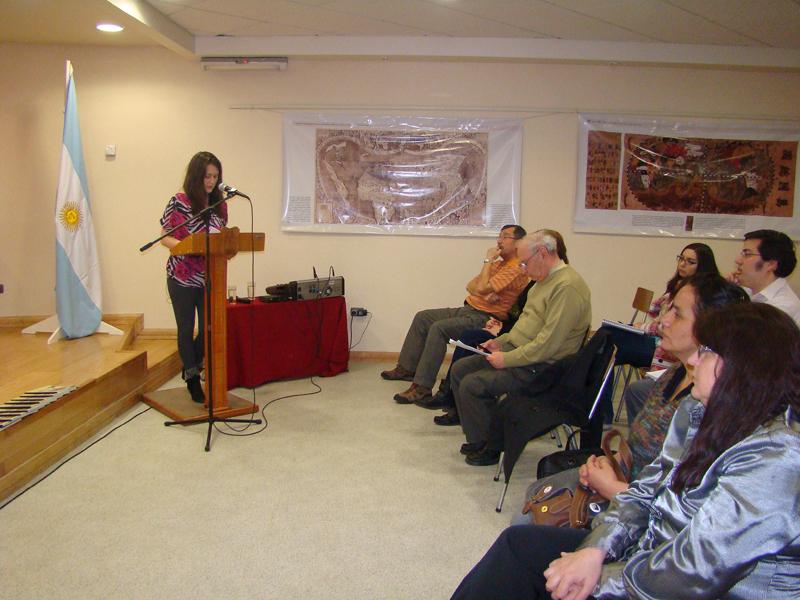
110 27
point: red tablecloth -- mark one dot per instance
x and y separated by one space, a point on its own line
286 340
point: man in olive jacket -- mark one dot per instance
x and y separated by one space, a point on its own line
553 325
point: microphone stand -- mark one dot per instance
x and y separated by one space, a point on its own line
207 326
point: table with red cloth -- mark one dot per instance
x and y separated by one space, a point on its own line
268 341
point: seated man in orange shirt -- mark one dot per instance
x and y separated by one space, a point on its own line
492 292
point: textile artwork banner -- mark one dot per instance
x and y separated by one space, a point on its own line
686 178
400 175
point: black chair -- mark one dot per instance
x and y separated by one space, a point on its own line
571 401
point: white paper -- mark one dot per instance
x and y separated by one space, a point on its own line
461 344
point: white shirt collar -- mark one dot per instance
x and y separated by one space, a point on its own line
769 292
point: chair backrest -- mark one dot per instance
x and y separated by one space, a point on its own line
642 300
579 387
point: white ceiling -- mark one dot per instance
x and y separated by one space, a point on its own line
748 33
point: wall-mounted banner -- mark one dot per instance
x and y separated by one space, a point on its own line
399 174
686 178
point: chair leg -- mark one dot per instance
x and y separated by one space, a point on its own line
568 431
499 506
499 468
554 435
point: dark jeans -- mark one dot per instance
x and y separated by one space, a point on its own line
186 301
514 565
471 337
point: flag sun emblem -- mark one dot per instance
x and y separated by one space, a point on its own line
70 216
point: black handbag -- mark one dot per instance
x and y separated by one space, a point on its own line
564 460
572 459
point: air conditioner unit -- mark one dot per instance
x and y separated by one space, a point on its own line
244 63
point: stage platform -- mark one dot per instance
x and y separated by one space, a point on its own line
111 374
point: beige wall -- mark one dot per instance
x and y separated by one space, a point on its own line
159 109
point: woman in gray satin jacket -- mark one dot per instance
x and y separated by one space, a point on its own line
716 515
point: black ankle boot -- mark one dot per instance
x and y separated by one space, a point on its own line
196 389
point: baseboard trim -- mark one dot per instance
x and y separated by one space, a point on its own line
376 356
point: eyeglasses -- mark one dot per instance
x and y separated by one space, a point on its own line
504 236
523 264
704 350
748 253
688 261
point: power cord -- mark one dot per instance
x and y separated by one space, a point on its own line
238 432
361 337
65 461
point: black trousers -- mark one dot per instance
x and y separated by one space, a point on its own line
471 337
186 301
514 565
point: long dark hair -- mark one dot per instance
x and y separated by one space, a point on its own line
712 290
759 378
194 185
705 264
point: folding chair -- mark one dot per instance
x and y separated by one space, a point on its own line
642 300
573 401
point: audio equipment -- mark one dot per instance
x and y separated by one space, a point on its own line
309 289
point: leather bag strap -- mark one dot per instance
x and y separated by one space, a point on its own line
622 460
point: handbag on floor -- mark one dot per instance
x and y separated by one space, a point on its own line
572 459
561 500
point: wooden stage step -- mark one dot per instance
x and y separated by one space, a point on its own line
110 372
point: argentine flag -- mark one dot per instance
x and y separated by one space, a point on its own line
78 294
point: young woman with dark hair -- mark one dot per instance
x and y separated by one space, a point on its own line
693 259
715 515
186 274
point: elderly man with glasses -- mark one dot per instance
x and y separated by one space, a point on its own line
491 293
766 259
552 326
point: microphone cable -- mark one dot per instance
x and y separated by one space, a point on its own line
250 327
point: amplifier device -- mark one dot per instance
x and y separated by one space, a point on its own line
309 289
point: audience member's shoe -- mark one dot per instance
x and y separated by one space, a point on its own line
196 389
398 374
438 400
448 418
485 457
472 448
416 393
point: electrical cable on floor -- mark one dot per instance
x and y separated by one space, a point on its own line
237 432
65 461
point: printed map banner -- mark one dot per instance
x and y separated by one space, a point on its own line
686 178
406 175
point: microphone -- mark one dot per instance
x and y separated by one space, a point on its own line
224 187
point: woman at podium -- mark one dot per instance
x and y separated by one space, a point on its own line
186 274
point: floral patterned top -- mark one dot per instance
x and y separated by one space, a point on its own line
188 270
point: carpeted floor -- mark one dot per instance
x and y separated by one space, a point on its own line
345 495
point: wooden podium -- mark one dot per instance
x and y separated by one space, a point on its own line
176 403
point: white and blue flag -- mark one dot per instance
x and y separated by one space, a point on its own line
78 292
